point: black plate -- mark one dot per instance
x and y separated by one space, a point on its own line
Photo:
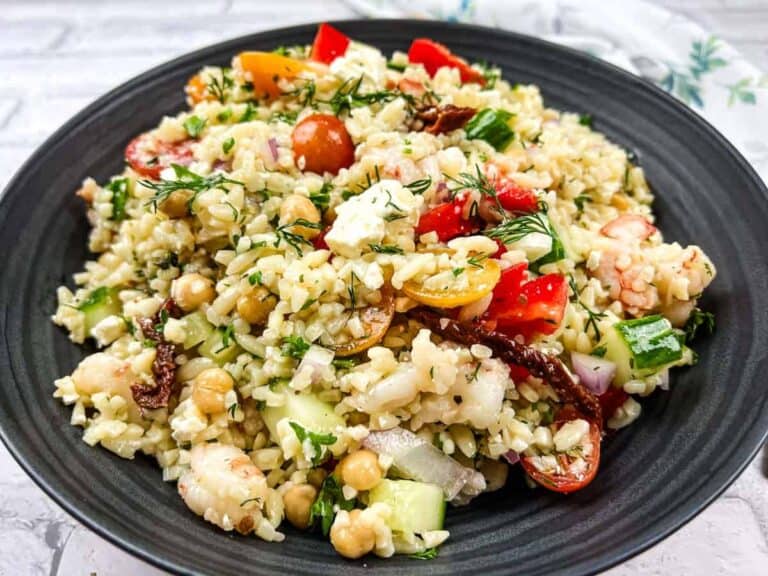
686 449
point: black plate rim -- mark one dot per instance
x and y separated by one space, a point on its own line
587 567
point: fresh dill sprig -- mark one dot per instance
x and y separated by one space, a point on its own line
293 239
420 186
511 231
479 182
351 290
186 180
348 96
219 87
386 249
592 316
477 261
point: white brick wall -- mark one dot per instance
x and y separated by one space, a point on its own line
56 57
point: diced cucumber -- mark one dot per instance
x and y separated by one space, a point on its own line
99 304
220 346
305 409
197 329
557 252
416 507
642 347
492 126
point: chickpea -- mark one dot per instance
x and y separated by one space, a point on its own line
350 536
191 290
255 306
298 500
295 207
316 477
209 388
360 470
175 206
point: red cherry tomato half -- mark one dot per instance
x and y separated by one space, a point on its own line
149 156
329 44
433 56
448 220
568 481
324 143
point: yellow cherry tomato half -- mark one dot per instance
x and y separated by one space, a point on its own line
267 68
477 282
376 320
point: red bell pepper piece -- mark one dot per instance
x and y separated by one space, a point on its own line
533 307
448 220
516 198
329 44
434 56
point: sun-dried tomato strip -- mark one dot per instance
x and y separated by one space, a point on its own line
541 365
445 118
164 367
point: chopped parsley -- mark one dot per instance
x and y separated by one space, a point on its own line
119 188
699 319
249 114
395 66
194 126
294 347
224 115
322 512
580 200
227 337
322 198
255 278
317 441
344 363
457 272
287 117
586 120
227 145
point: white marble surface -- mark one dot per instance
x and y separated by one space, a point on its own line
55 57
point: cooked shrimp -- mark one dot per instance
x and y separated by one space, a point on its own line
681 276
225 487
101 372
627 275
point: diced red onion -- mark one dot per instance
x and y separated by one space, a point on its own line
273 148
511 457
417 459
595 374
317 361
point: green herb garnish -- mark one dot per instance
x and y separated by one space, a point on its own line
699 319
186 180
294 347
119 188
322 511
194 126
317 441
